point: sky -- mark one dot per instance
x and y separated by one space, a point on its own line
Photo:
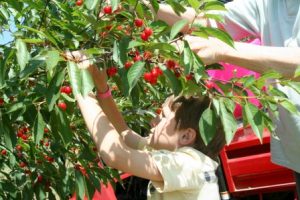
5 37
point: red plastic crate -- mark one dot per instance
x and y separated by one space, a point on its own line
247 166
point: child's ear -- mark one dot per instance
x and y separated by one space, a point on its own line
187 137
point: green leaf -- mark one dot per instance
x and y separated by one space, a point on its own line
92 4
228 121
177 27
134 74
81 81
295 86
220 34
80 185
23 55
289 106
44 34
260 82
61 124
216 17
135 43
187 58
53 90
255 119
114 4
155 5
52 58
249 80
38 128
177 7
297 72
207 125
195 4
120 51
6 130
175 83
214 5
162 46
31 68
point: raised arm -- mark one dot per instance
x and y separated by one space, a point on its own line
111 110
111 147
167 14
108 104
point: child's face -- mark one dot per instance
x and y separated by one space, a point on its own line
163 134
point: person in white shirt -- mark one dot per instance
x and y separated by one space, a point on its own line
277 24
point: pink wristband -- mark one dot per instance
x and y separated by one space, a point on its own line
105 94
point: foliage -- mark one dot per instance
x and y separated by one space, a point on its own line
45 148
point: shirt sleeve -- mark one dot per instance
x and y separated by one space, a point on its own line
179 170
241 19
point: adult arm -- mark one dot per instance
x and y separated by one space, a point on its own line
257 58
167 14
284 60
111 147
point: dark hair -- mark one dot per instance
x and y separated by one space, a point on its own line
188 111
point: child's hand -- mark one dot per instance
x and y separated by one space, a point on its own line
80 58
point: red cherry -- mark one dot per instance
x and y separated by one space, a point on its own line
153 81
128 64
1 101
177 74
46 130
148 76
112 71
147 55
22 164
24 137
107 10
25 129
156 71
79 2
47 144
171 64
138 22
39 178
19 147
144 36
158 111
20 133
189 77
62 105
50 159
68 90
148 31
209 84
137 58
3 152
108 27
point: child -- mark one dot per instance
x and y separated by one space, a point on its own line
174 157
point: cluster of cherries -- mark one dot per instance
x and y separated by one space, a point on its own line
146 33
67 90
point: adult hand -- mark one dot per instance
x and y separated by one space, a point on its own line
80 58
211 50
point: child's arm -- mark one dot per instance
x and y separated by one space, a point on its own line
109 107
114 152
108 104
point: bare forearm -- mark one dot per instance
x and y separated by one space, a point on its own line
167 14
112 112
261 58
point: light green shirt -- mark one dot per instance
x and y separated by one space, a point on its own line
276 23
